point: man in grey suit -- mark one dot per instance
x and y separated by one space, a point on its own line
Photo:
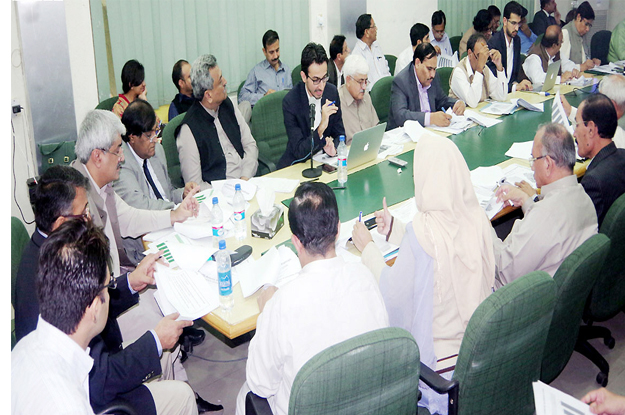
416 93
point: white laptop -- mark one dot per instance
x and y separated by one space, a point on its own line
365 145
550 78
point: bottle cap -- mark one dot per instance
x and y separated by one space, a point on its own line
222 244
341 138
215 200
237 187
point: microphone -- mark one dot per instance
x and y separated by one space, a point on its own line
312 171
312 116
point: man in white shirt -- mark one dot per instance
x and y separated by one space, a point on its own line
328 302
438 37
419 33
471 81
367 46
544 54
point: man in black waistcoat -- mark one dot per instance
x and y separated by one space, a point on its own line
214 141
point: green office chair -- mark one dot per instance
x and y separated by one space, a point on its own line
607 298
522 58
455 42
19 239
239 89
269 131
538 39
444 74
574 280
501 351
464 55
374 373
171 151
381 97
107 104
295 74
392 60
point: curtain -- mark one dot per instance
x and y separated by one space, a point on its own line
158 33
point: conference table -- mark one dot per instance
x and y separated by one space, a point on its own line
369 183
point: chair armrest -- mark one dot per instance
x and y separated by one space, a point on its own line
266 162
118 406
255 405
441 386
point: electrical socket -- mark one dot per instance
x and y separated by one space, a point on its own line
16 108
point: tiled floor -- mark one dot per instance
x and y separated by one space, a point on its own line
220 382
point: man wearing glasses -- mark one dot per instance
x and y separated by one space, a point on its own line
574 37
356 105
556 222
312 98
368 47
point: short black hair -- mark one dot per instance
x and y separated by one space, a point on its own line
363 23
438 17
269 38
424 51
417 32
176 73
313 53
132 75
543 3
494 11
139 117
512 7
54 194
600 109
475 37
585 11
481 21
72 272
314 217
336 46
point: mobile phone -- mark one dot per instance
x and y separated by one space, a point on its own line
328 168
370 223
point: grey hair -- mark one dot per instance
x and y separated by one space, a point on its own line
201 79
558 144
613 86
355 65
98 130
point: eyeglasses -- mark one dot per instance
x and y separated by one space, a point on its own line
85 215
373 27
533 159
112 283
587 24
153 134
316 81
362 82
116 154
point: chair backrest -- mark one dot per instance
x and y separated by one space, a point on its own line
268 127
444 74
107 104
501 351
19 239
608 294
171 151
381 97
392 60
539 39
574 280
295 74
239 89
600 45
374 373
455 42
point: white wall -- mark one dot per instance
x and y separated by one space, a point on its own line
325 21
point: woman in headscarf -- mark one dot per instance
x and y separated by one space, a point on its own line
445 266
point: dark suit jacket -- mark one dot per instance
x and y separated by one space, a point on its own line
297 122
498 41
116 373
604 180
333 74
405 104
541 22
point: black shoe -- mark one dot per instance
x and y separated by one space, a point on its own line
205 406
191 337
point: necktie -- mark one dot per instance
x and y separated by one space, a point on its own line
149 177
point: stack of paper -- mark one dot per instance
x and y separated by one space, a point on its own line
458 123
550 401
480 119
504 108
558 115
276 267
520 150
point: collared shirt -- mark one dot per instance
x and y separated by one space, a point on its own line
318 105
424 100
173 111
470 91
152 173
357 115
526 42
444 44
378 66
404 59
264 77
533 67
509 57
50 373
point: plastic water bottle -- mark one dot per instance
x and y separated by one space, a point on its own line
224 276
238 204
341 152
217 221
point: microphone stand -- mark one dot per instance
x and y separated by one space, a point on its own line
312 172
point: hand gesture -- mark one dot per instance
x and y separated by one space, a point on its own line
189 207
495 56
169 330
383 219
143 275
526 187
459 107
524 85
602 401
511 195
188 187
329 148
327 109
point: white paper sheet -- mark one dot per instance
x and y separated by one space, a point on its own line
276 267
278 185
480 119
550 401
520 150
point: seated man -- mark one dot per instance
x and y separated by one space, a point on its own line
367 46
525 33
419 33
438 37
300 320
544 54
214 142
556 222
312 96
416 93
604 180
548 15
133 85
52 371
268 76
617 43
482 23
508 44
471 81
339 51
356 105
574 36
181 76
